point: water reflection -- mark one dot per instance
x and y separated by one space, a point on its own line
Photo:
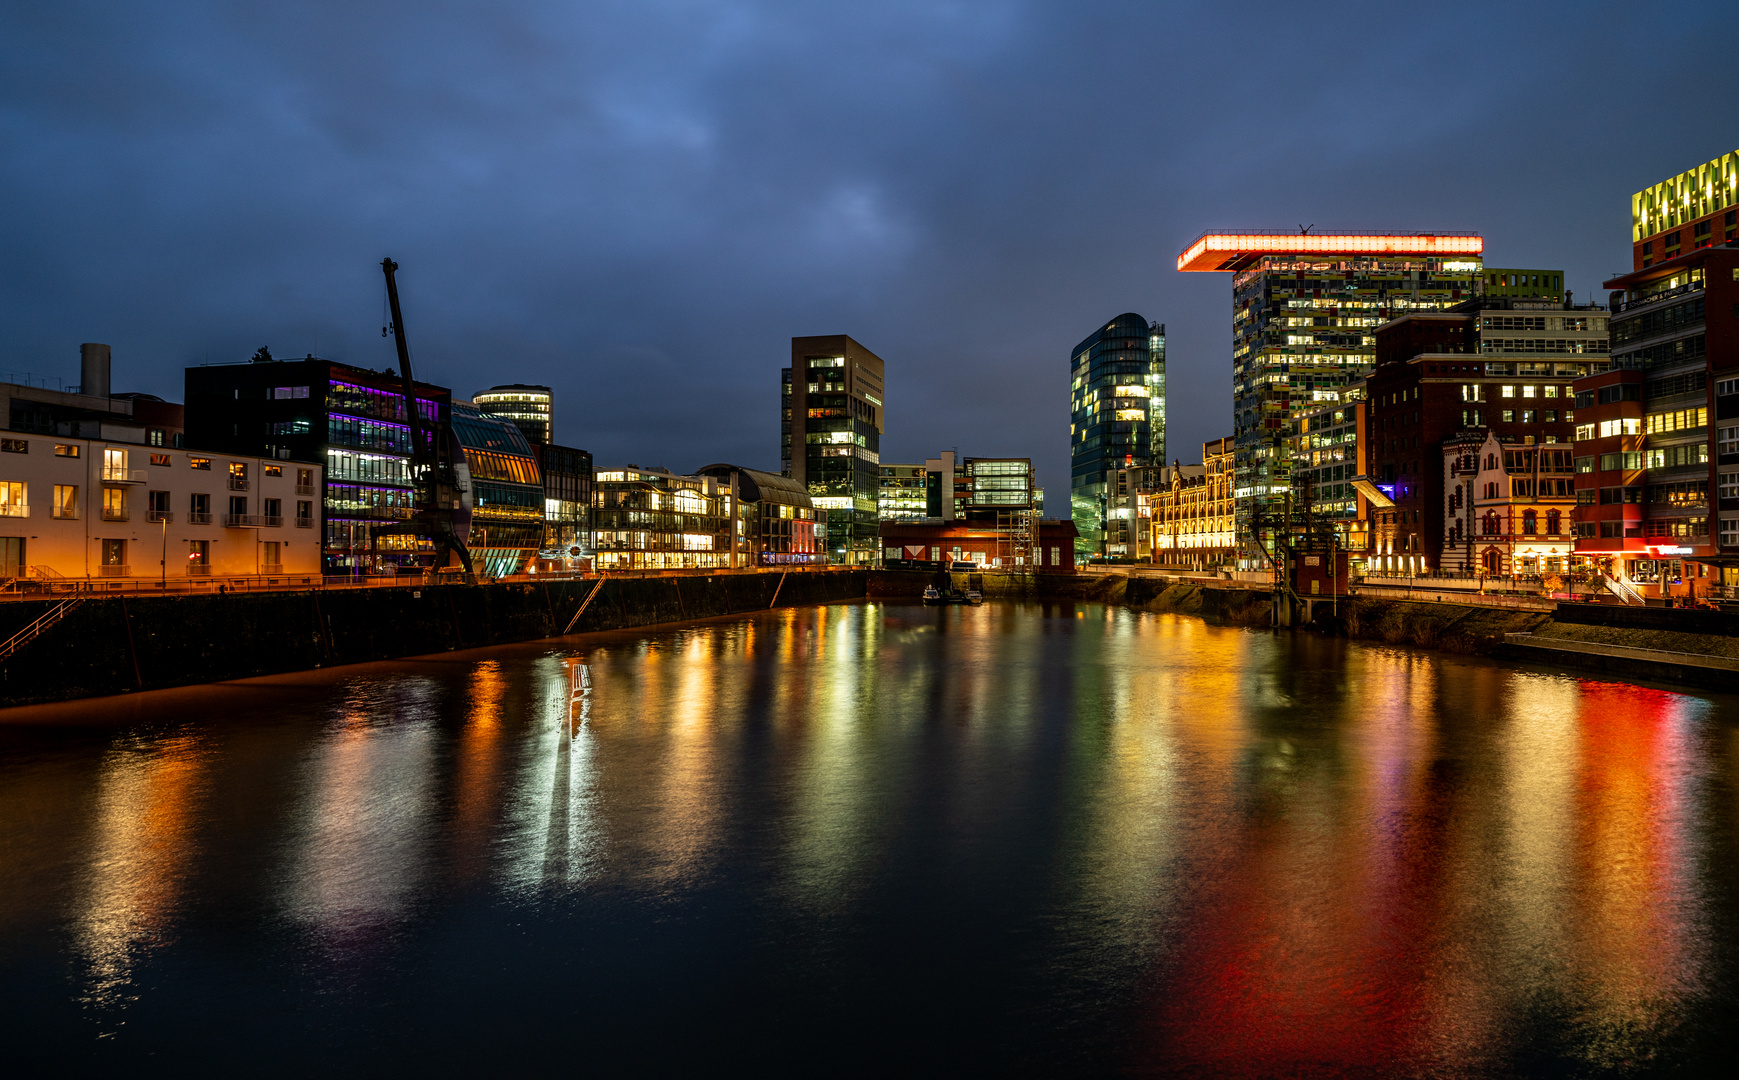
138 856
1048 837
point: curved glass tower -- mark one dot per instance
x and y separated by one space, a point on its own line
1116 417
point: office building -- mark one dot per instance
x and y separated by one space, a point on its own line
1325 458
1498 365
724 517
776 520
1305 312
349 419
1127 537
903 493
1658 437
1515 284
831 429
1116 418
529 408
567 506
502 491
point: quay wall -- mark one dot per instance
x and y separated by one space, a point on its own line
119 644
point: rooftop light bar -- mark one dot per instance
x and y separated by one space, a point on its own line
1218 251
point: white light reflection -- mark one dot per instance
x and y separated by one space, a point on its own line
552 835
360 848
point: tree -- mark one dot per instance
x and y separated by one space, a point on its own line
264 356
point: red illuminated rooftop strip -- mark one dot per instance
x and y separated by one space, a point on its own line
1219 251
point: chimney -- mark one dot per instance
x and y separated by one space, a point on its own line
94 370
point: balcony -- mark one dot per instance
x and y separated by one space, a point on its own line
158 517
114 571
271 521
271 568
111 513
198 569
197 518
112 475
238 483
19 510
304 489
304 523
242 521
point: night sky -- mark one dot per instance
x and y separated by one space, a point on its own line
640 203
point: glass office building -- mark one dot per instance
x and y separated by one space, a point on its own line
529 408
1116 417
831 428
1305 308
505 492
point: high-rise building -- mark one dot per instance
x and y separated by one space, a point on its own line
1305 308
1657 438
528 408
831 426
1116 417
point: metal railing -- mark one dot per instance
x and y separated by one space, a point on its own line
113 475
111 514
238 483
198 519
271 521
304 489
18 510
114 571
198 569
159 516
272 568
241 521
304 522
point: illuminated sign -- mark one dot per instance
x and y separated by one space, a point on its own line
1217 251
1669 549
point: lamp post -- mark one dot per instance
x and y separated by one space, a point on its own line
163 563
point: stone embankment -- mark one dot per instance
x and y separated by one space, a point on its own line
121 644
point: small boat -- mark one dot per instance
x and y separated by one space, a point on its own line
974 597
932 595
955 596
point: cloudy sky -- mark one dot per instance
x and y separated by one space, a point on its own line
640 203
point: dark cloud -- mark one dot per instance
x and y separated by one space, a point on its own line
640 203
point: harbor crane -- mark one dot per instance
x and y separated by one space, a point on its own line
436 483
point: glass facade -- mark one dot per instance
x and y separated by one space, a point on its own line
1303 327
528 408
1116 417
504 492
831 424
903 496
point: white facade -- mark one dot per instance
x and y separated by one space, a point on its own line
91 508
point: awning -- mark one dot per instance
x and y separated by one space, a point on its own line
1363 485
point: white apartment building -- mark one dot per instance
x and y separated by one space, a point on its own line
93 508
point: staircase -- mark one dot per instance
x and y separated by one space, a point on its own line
1625 591
35 630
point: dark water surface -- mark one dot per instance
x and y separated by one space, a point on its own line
873 838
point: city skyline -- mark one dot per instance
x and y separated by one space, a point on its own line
224 186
